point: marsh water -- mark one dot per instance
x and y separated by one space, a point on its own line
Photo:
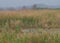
50 31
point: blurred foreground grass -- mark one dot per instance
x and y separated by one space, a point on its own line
40 36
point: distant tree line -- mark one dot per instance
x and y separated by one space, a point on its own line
34 6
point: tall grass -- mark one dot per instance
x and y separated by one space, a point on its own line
40 21
12 24
45 37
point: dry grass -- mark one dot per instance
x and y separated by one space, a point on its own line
31 18
12 23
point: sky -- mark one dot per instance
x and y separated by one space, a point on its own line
16 3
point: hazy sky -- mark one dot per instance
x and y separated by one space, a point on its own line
16 3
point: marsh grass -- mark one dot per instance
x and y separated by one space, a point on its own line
40 21
11 24
31 38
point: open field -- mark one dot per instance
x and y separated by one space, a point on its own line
30 26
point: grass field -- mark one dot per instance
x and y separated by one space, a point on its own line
12 24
